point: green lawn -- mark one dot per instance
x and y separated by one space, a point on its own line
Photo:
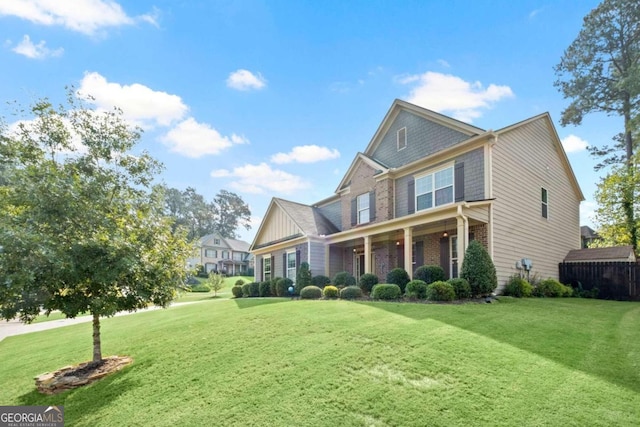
278 362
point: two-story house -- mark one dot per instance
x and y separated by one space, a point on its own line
424 187
222 255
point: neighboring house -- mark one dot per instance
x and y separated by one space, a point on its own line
588 236
423 188
611 254
221 255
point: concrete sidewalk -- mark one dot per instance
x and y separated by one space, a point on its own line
15 327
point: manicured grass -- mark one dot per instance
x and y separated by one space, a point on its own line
272 362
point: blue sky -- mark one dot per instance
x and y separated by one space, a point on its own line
275 98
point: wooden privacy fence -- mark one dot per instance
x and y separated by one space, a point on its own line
615 280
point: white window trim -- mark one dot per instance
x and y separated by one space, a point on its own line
293 278
264 259
543 203
433 172
398 139
366 195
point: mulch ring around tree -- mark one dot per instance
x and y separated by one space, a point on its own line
71 377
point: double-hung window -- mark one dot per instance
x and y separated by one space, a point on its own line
291 265
266 268
434 189
211 253
545 203
363 208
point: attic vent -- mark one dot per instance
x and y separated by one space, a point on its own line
402 138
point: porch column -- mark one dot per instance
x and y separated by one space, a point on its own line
367 254
408 251
463 239
327 260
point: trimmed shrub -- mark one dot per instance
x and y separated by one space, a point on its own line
330 291
461 287
200 288
429 274
239 282
237 291
311 292
282 286
551 288
265 289
416 289
254 289
273 286
192 280
320 281
479 270
386 291
246 290
303 277
367 282
351 292
398 276
440 291
517 287
343 279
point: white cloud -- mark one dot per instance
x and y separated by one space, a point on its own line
193 139
33 127
449 94
35 51
588 213
260 179
140 104
573 143
534 13
306 154
443 63
245 80
83 16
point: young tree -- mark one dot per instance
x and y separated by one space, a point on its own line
600 72
478 269
303 277
215 282
82 229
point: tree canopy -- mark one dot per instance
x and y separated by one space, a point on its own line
83 229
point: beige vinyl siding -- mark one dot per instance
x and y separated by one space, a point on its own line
525 159
278 226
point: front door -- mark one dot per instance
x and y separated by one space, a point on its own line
453 244
359 266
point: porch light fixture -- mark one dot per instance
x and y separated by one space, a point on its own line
445 234
397 242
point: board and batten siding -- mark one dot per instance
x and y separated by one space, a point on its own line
525 160
277 227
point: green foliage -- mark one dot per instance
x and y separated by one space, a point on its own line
386 291
398 276
282 286
518 287
343 278
265 289
215 282
273 286
83 233
551 288
246 290
201 288
239 282
429 274
254 289
303 277
237 291
478 270
416 289
200 271
311 292
351 292
440 291
330 291
320 281
367 282
461 287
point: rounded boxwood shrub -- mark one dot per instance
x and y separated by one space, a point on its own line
416 289
246 290
343 279
550 288
351 292
320 281
440 291
265 289
429 274
461 287
254 289
239 282
398 276
386 291
237 291
517 287
201 288
282 286
311 292
273 286
330 291
367 282
479 270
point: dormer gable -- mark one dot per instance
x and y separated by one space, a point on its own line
359 160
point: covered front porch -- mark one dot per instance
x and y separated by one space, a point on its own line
437 237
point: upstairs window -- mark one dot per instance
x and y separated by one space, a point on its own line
434 189
211 253
363 208
216 241
545 203
402 138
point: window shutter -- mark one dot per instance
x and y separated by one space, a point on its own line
354 211
372 205
284 264
419 254
444 256
261 275
273 266
411 192
459 181
297 259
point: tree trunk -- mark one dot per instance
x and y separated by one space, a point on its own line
97 347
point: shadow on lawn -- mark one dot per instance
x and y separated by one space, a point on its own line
254 302
565 331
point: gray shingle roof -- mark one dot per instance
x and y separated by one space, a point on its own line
308 218
616 253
